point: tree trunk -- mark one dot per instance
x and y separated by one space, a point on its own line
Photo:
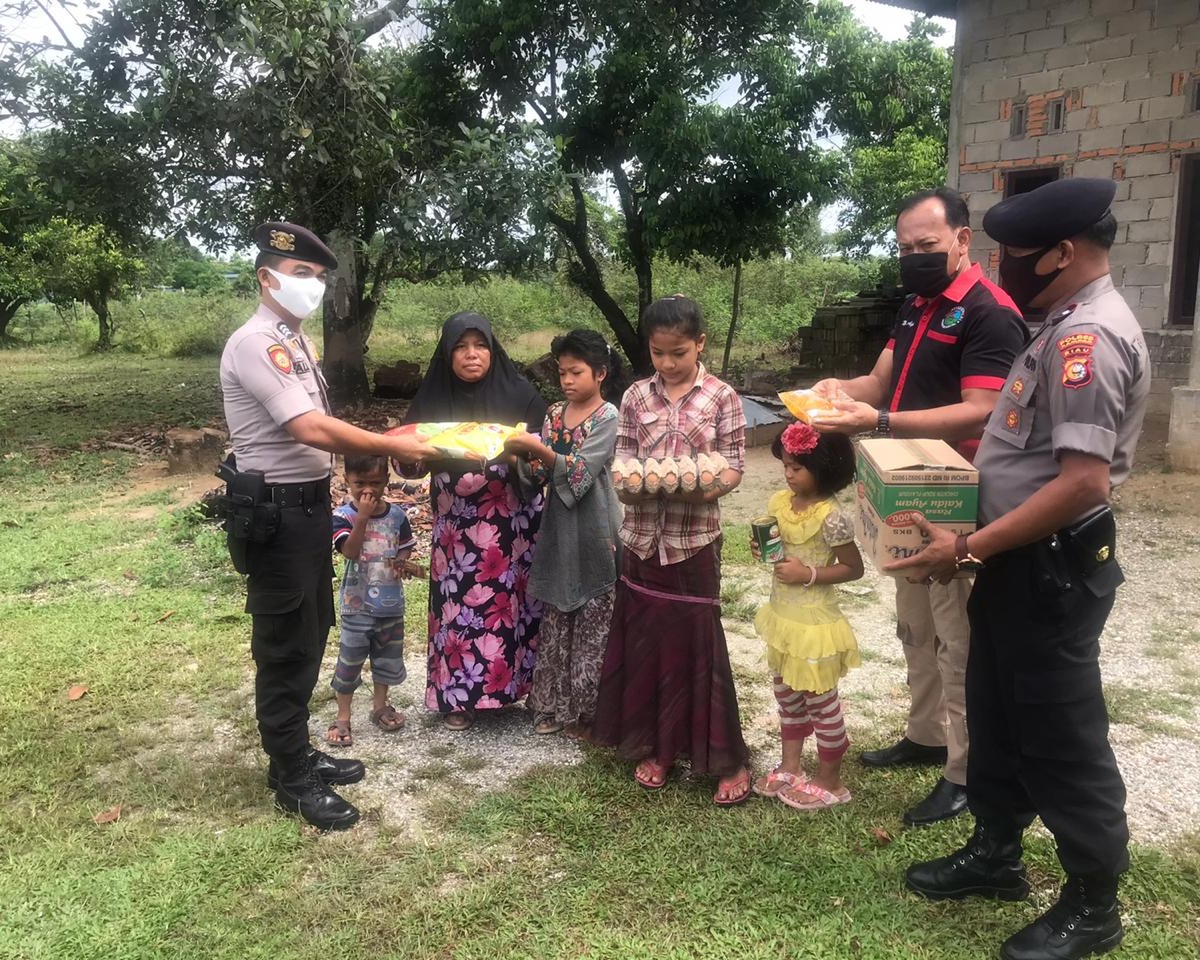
99 305
635 236
342 362
590 279
734 313
8 310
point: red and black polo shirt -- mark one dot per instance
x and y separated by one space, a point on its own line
965 338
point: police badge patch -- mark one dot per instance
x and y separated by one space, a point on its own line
1076 350
1017 388
280 358
1012 420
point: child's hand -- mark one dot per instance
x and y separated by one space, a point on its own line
792 570
366 506
755 550
522 443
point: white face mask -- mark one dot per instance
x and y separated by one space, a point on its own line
299 296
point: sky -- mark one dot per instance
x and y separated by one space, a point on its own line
892 22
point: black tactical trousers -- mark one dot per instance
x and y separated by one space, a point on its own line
289 593
1036 712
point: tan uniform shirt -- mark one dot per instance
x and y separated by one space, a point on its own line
269 375
1081 384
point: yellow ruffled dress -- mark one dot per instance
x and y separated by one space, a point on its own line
809 642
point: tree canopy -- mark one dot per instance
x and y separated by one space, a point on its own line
484 136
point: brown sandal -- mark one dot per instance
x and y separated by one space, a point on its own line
339 735
459 720
387 718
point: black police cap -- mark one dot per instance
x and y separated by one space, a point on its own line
294 242
1054 211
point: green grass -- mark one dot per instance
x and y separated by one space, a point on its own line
576 863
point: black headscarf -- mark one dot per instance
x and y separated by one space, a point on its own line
502 396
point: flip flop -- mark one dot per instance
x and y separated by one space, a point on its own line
811 798
339 735
546 724
651 775
387 718
740 778
458 721
776 781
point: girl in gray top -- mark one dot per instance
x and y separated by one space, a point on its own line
575 563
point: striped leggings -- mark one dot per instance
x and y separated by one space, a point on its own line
802 713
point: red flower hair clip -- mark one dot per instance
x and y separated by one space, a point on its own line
800 438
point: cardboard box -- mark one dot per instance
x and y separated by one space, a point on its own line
898 479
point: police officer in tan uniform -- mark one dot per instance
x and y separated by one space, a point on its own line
283 436
1062 435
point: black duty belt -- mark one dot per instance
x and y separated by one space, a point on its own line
298 494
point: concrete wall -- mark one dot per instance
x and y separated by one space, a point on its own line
1124 69
1170 357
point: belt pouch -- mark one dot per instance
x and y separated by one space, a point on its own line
1093 547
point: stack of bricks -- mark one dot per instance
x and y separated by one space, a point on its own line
1170 353
845 338
1127 73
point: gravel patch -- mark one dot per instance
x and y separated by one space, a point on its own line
1149 659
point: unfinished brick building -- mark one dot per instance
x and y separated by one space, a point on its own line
1097 88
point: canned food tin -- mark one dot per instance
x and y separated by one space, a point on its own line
765 531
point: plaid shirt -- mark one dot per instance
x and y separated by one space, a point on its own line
708 417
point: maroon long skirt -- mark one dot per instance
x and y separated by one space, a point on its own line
666 688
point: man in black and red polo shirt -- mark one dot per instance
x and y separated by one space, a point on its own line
939 376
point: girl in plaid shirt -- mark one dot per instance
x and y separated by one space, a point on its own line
666 688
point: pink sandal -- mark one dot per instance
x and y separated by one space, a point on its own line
810 797
778 780
652 775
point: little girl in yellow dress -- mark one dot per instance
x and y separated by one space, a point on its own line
810 645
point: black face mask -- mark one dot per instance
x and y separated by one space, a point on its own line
1019 279
925 273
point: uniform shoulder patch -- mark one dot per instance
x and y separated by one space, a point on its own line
279 356
1076 350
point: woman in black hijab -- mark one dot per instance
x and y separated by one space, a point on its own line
496 391
482 625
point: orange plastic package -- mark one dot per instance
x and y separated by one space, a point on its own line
805 405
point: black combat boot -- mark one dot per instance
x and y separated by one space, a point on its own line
333 771
302 791
1085 921
988 866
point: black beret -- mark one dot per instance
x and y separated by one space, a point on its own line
1054 211
294 242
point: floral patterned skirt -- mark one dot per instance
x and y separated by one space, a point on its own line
571 646
483 626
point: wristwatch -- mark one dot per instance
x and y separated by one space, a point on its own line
963 558
883 423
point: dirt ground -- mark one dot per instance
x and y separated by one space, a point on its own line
1148 652
1149 659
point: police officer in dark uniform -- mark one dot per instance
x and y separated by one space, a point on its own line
1061 437
278 511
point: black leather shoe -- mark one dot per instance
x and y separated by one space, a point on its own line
302 791
988 866
1085 921
334 771
945 801
905 753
